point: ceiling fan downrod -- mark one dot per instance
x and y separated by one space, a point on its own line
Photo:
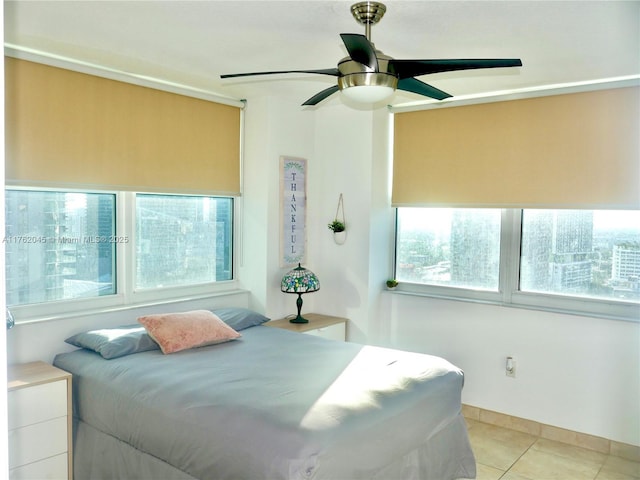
367 14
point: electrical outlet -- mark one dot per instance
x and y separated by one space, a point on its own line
510 367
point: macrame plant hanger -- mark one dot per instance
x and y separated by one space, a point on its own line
340 237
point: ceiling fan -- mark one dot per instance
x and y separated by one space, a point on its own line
368 75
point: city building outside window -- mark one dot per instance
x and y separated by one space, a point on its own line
592 255
182 240
581 252
449 247
59 246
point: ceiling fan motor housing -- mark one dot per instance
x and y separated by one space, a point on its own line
368 79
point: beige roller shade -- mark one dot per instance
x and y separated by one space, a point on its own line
578 150
65 128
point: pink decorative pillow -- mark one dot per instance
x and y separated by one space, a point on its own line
180 331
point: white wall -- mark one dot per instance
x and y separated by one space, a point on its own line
578 373
274 127
343 140
337 142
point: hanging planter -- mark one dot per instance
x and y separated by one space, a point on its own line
340 237
338 226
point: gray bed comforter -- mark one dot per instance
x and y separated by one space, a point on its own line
273 405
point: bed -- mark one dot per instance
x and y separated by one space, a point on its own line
271 404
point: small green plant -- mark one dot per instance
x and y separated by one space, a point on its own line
336 226
392 283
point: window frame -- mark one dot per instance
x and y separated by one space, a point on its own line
126 295
509 293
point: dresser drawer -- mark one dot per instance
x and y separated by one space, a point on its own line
38 441
37 403
331 332
53 468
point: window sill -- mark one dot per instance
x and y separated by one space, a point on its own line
606 310
26 315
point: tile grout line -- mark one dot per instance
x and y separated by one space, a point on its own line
537 438
518 459
600 469
599 465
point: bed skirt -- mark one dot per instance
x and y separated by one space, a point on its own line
100 456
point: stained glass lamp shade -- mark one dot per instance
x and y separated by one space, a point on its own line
299 280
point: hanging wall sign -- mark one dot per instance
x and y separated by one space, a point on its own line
293 208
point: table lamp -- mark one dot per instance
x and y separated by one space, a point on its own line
299 280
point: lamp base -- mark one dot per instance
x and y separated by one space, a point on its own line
299 319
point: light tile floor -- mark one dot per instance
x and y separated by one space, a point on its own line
503 454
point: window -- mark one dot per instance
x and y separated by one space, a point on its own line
59 245
451 247
578 261
64 246
182 240
581 252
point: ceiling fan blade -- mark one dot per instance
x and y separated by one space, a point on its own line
318 97
421 88
360 50
328 71
413 68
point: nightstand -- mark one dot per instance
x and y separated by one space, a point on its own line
40 416
326 326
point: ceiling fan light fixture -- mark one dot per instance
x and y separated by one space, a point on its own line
369 87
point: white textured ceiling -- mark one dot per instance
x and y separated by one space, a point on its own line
194 42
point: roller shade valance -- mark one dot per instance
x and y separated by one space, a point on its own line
65 128
579 150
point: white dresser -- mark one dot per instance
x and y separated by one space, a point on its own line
39 403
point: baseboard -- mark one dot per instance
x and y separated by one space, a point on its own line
591 442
